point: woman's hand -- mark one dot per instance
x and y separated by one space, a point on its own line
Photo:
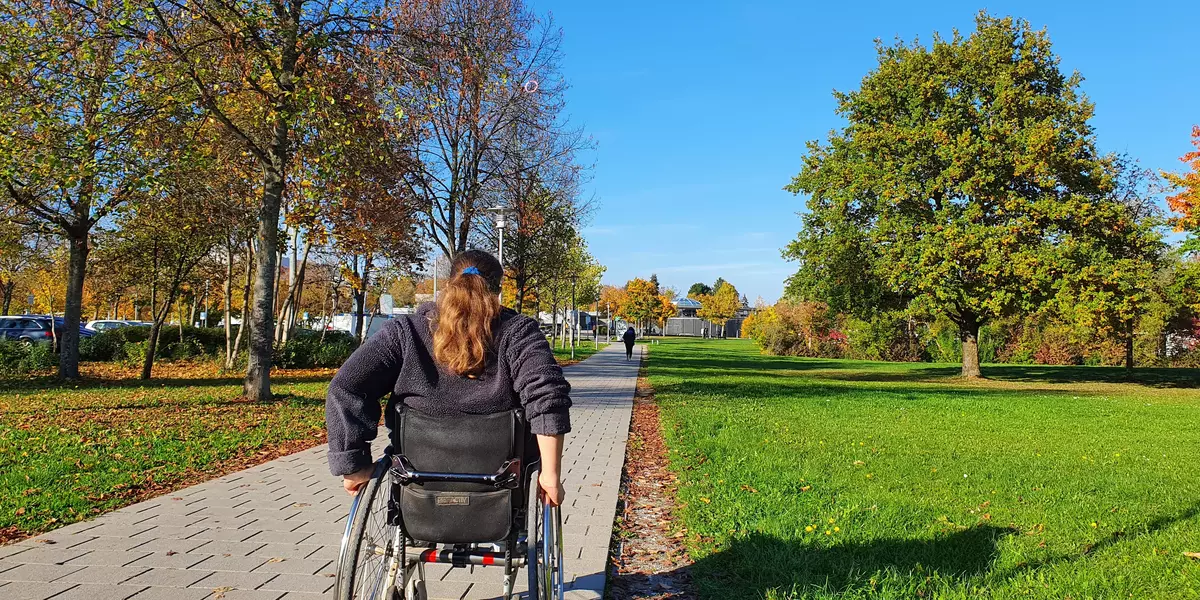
357 479
550 489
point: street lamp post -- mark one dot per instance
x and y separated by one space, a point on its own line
608 333
574 315
500 224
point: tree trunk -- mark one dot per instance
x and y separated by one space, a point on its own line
1129 347
969 334
258 370
228 297
8 295
159 317
68 357
553 323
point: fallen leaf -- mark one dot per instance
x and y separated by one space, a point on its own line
220 592
275 560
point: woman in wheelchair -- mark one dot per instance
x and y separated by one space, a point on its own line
477 412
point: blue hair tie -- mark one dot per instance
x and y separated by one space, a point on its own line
470 271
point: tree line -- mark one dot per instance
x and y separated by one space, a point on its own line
165 156
643 302
967 188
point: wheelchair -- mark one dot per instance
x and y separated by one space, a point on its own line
460 491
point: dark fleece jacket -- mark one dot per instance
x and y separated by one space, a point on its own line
399 359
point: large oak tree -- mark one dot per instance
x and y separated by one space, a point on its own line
964 171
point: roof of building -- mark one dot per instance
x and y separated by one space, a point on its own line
687 303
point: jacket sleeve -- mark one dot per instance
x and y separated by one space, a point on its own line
539 381
352 407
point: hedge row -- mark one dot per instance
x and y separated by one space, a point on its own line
129 344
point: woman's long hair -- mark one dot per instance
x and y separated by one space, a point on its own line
468 310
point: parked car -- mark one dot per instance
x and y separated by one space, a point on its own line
31 329
110 324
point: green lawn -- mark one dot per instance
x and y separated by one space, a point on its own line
582 350
70 453
808 478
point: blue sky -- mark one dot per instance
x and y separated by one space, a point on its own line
700 110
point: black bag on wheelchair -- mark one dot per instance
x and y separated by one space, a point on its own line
466 480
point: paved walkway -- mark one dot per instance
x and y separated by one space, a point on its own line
272 532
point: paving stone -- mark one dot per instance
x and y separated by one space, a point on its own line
219 548
222 534
105 574
109 558
170 593
288 551
248 595
170 545
164 560
229 579
298 566
39 573
110 544
89 591
24 590
313 584
168 578
50 555
281 537
241 564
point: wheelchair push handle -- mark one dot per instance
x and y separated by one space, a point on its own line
507 477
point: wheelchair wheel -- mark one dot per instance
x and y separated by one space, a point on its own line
545 548
370 566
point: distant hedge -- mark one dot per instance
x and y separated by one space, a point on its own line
305 349
17 358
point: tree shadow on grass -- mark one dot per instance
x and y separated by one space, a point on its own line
51 383
757 563
700 365
787 392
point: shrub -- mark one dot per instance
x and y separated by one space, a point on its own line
18 359
801 329
307 350
891 335
1057 347
133 354
113 345
110 345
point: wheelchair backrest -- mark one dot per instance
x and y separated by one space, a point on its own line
463 443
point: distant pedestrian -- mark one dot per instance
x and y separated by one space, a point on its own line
630 337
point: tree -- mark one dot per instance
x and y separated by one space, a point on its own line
1186 202
23 250
72 123
720 306
699 289
578 280
1111 273
486 73
965 170
250 67
642 303
167 234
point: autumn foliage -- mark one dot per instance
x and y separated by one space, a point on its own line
1186 203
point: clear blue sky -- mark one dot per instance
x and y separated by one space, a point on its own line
700 110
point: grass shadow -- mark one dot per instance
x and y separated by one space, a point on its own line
761 563
50 383
699 363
